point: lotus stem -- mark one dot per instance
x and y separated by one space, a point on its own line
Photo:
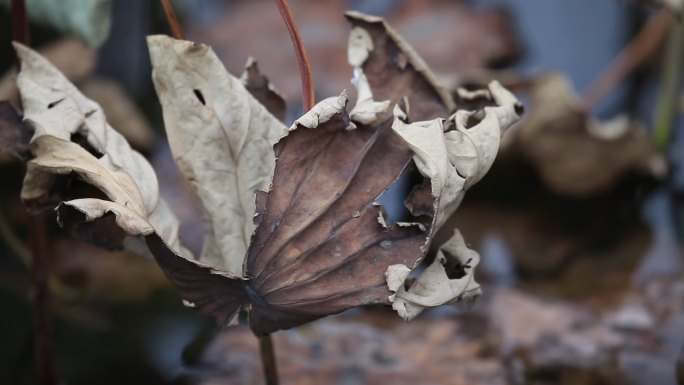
44 350
176 30
20 26
40 292
308 98
268 359
266 347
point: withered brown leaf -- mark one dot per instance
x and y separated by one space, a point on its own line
318 248
322 243
263 90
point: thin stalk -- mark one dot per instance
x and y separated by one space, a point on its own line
37 237
266 348
20 27
669 85
308 98
268 359
176 29
638 50
44 350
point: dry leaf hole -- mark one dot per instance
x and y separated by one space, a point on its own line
80 139
392 200
53 104
199 96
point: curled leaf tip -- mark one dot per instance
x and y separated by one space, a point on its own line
323 111
449 278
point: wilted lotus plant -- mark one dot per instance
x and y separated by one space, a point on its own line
295 230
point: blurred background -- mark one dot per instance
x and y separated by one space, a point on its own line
579 223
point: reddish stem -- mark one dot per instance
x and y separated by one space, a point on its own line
304 67
37 237
268 359
20 28
44 350
308 99
176 29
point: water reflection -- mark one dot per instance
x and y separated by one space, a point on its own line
499 263
663 258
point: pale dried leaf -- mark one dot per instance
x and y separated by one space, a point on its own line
366 109
452 159
449 278
70 55
121 111
470 95
76 62
458 158
57 111
55 156
221 139
323 112
128 220
395 277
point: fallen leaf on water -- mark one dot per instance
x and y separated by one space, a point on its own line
565 144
